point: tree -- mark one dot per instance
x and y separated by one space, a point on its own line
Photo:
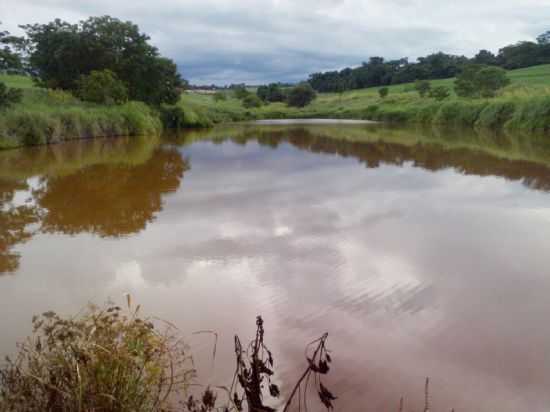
480 81
383 92
422 87
9 58
485 57
271 93
252 101
465 82
103 87
491 79
61 52
9 96
544 38
440 93
301 95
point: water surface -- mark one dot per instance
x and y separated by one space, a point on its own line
421 255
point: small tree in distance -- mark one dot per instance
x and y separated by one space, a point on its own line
480 81
9 96
383 92
422 87
301 95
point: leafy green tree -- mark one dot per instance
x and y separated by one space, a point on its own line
252 101
383 92
9 58
465 83
422 87
61 52
301 95
544 38
103 87
9 96
485 57
491 79
480 81
440 93
271 93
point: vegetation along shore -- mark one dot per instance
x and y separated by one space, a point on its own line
57 84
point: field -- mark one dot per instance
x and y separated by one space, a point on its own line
402 103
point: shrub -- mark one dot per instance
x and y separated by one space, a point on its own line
252 101
240 92
491 79
271 93
422 87
104 360
219 96
301 95
9 96
480 81
440 93
172 117
383 92
102 87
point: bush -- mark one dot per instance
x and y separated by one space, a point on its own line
172 117
219 96
252 101
480 81
104 360
240 92
422 87
102 87
440 93
271 93
9 96
301 95
383 92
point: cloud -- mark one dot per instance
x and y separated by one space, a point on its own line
222 41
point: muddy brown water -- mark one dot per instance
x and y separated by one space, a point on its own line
420 255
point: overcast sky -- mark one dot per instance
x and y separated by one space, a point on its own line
256 41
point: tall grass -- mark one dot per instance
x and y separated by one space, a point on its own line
38 124
103 360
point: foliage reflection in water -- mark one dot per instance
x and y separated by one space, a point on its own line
421 254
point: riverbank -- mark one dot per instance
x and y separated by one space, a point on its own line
523 106
50 116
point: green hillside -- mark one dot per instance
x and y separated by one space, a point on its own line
525 83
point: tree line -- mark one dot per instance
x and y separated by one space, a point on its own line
380 72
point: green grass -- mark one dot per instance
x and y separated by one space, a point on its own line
47 116
530 86
50 116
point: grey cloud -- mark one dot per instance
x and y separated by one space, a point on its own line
221 41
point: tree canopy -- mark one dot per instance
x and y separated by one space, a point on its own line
379 72
60 53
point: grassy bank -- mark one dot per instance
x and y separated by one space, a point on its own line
522 106
49 116
46 116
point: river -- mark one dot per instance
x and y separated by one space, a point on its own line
420 253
